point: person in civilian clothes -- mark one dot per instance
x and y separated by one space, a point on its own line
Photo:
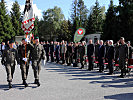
81 52
90 52
110 57
47 51
52 51
101 55
57 52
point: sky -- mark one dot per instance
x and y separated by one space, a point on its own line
65 5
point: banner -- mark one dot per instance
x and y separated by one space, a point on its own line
28 18
79 34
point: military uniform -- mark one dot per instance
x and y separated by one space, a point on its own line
38 54
8 59
123 55
24 65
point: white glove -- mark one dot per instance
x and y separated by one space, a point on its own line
31 62
43 62
27 40
25 59
18 65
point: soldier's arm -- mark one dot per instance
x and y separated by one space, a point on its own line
3 57
17 57
43 53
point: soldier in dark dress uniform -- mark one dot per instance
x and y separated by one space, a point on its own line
81 53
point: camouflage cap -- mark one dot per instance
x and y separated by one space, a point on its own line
36 38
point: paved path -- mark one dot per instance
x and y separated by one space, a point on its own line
67 83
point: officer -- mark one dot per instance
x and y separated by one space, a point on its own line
8 59
38 53
123 56
23 54
90 52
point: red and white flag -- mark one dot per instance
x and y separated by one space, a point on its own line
28 18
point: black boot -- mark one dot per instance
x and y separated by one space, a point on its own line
35 82
10 85
24 83
38 83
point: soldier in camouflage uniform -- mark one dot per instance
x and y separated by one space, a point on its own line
38 54
24 59
8 60
123 56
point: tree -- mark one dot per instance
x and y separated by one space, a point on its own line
6 28
52 21
15 19
126 18
110 24
65 31
95 19
82 13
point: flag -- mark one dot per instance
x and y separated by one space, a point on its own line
28 18
79 34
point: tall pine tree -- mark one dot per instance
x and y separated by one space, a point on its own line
6 29
15 18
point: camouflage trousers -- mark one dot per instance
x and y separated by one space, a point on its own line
10 71
36 66
24 70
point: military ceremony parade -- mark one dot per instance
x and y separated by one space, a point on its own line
85 54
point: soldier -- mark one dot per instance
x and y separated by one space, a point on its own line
123 56
8 59
106 52
90 51
52 51
110 57
130 50
38 53
24 53
101 54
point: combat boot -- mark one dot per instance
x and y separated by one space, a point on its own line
10 85
24 83
38 83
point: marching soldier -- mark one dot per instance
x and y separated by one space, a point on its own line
123 56
38 54
8 59
24 53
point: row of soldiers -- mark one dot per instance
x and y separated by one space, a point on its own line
74 53
23 54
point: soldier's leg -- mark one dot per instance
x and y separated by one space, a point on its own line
27 70
12 70
9 76
23 73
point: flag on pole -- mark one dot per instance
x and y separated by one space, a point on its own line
28 18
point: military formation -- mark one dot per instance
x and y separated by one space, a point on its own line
23 55
102 55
